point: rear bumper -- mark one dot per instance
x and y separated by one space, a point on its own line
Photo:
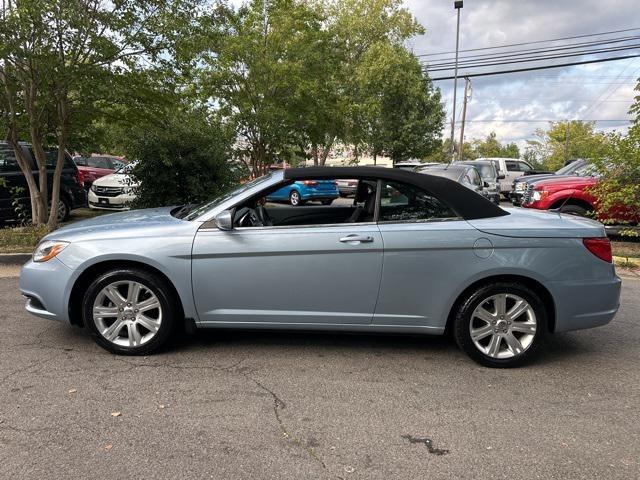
581 305
46 287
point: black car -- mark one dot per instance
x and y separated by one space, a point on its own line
574 167
14 185
489 174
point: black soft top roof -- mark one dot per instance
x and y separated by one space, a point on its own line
466 203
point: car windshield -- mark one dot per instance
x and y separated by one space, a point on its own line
572 167
486 171
194 211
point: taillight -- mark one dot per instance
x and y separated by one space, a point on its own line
310 183
80 178
600 247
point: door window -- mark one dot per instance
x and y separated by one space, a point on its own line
512 166
400 202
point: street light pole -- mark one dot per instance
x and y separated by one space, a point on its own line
458 6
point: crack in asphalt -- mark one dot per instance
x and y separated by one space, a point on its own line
278 403
427 442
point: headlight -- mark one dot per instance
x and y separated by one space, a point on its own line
48 249
94 188
537 195
127 190
520 187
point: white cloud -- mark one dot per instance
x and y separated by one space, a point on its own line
595 91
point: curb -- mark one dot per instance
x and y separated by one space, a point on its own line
14 258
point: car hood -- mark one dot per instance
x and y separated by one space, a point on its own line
536 177
570 181
531 223
137 224
115 180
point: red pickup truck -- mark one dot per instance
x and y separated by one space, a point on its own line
570 195
96 167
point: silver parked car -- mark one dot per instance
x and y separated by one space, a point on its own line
412 253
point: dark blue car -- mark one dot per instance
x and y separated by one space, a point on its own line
297 193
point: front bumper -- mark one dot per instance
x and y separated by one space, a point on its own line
47 286
119 202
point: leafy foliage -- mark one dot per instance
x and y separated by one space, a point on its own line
618 190
563 141
185 161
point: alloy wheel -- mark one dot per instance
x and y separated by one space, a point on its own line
295 198
503 326
127 313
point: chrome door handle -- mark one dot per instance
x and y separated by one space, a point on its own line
357 238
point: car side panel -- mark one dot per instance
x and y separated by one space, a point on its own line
165 250
428 266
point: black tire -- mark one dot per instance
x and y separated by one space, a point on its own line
574 210
463 319
64 209
156 285
295 199
327 202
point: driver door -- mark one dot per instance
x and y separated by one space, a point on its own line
291 275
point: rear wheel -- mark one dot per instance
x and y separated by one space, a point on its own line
501 324
129 311
295 199
64 210
327 202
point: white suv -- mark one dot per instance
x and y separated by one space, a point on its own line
511 168
113 192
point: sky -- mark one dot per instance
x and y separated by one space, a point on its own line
601 91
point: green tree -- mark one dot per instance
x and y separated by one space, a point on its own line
399 109
563 141
618 190
182 161
58 58
491 147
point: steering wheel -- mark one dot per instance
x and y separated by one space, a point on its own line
249 217
263 215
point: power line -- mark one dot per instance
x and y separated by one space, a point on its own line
532 51
531 43
541 67
546 120
475 64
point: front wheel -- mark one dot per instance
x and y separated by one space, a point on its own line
500 325
129 311
574 210
327 202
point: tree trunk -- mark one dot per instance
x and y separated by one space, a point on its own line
314 153
326 150
62 145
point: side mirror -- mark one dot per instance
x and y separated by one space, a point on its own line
501 176
224 220
485 184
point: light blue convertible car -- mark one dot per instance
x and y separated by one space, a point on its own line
413 253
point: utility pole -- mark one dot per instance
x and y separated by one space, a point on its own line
458 6
467 91
566 141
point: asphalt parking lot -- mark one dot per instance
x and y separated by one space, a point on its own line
282 405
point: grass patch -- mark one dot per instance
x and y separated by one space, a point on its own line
626 249
24 239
